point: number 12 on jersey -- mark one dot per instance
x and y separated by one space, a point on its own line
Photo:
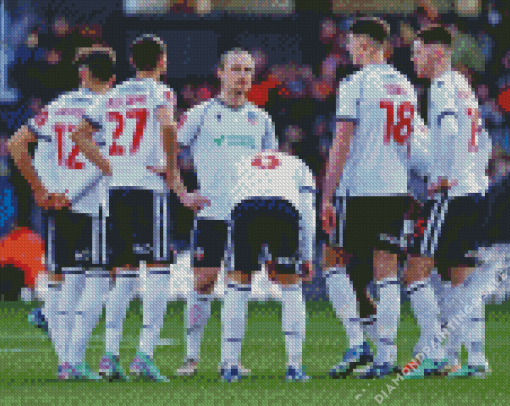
141 116
403 127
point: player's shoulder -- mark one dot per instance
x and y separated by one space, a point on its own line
354 78
254 109
201 109
463 90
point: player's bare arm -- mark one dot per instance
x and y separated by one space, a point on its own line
334 169
173 176
18 147
82 137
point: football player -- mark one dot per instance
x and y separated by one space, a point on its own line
220 132
375 121
272 222
70 188
136 119
461 150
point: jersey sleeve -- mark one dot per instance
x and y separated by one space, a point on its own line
269 140
190 125
447 131
95 113
349 94
165 97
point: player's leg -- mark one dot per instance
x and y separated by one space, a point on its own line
97 284
156 289
280 228
208 246
244 247
124 265
384 215
428 353
73 244
469 282
343 297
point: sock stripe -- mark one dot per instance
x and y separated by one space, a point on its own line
127 275
159 272
383 284
415 287
234 340
477 319
291 333
239 288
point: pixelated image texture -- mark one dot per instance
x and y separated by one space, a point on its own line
256 202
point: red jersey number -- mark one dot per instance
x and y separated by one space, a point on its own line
402 129
141 116
69 162
474 115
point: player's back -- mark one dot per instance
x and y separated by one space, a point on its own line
131 131
386 107
272 175
59 163
470 147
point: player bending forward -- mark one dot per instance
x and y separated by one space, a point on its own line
273 221
61 177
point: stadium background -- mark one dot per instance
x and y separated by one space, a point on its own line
300 53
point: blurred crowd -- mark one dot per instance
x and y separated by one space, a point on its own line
301 98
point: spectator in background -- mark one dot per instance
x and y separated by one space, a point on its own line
292 140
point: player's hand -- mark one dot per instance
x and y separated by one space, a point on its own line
42 199
195 201
59 201
161 171
328 216
307 271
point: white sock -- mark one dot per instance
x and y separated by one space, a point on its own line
388 317
50 309
233 322
475 332
90 308
198 312
117 306
342 296
155 301
426 311
74 281
294 323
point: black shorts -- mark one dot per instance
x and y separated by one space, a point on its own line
259 227
362 223
73 240
452 229
496 226
265 229
137 228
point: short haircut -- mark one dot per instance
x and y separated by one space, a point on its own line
100 62
436 35
374 28
236 51
146 52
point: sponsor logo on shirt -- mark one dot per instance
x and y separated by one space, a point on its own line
252 118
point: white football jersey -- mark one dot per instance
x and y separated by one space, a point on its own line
461 146
383 104
219 137
57 160
127 118
280 176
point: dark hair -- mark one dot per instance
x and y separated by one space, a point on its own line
100 64
375 29
146 51
436 35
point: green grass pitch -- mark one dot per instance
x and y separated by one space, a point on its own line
28 365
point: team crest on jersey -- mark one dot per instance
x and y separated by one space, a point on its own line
252 118
41 118
395 90
170 97
218 117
